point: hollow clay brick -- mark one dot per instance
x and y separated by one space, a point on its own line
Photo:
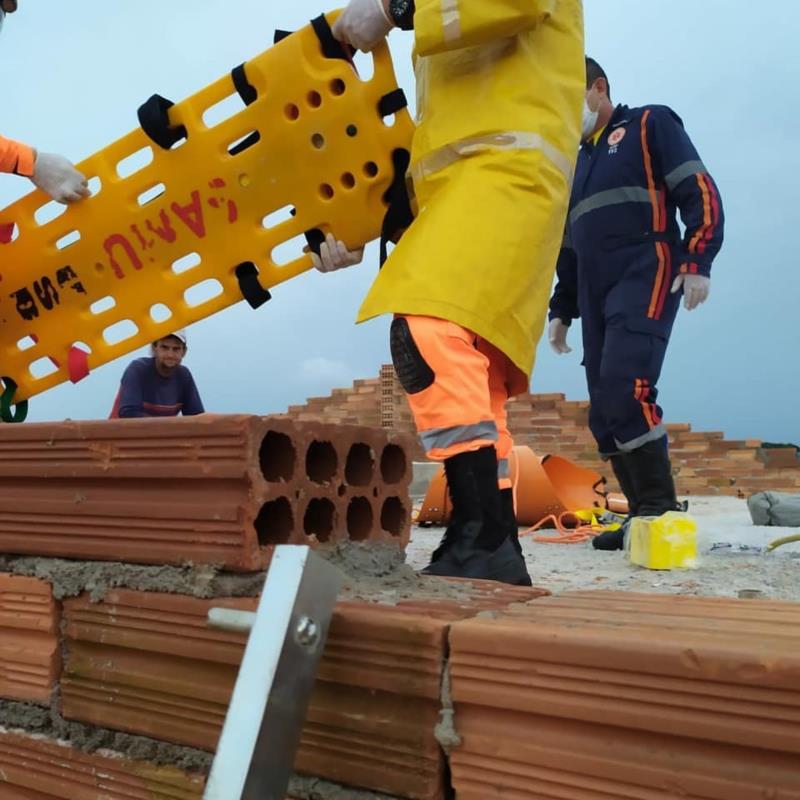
29 650
38 768
206 489
519 756
618 695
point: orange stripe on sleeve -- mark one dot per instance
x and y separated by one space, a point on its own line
648 168
701 232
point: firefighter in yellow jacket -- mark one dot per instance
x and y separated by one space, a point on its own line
500 87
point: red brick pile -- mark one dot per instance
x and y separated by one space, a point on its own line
704 463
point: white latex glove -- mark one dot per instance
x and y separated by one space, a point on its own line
56 176
557 334
334 255
696 289
363 24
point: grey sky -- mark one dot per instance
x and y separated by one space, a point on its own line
76 74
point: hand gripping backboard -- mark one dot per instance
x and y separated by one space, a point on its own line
188 210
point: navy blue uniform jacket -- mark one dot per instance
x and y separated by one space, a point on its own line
622 225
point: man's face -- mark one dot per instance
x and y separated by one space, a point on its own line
169 353
595 94
9 6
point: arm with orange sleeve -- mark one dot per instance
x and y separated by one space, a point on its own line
16 158
53 174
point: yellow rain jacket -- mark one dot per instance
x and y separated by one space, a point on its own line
500 87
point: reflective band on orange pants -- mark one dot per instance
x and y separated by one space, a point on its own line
461 405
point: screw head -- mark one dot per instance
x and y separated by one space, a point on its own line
307 632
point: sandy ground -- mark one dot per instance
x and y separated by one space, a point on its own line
720 572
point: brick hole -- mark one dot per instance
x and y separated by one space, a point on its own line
393 516
319 519
277 457
360 465
359 519
321 462
341 491
337 87
393 464
275 522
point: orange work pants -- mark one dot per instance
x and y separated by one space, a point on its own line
457 386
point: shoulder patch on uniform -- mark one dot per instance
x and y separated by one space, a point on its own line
616 136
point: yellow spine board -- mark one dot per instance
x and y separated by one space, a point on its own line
155 250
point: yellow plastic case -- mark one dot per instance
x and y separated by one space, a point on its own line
666 542
292 141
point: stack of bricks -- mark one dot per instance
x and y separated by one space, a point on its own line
142 676
192 505
352 406
489 691
703 463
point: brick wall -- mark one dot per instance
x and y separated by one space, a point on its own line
120 657
705 463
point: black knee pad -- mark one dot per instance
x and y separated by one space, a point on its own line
411 368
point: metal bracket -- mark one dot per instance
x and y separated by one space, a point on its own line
256 752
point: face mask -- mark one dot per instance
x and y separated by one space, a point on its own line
589 121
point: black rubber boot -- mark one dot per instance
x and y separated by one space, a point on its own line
476 544
615 540
651 471
451 532
510 521
623 475
510 518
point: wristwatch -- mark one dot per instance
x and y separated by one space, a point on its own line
402 12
